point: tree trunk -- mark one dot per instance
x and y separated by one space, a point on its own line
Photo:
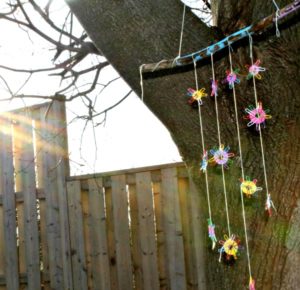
132 32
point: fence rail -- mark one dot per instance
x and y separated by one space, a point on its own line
122 230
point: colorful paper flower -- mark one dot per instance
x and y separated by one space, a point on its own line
257 116
214 88
269 205
254 70
249 186
196 96
204 161
211 233
251 284
232 78
220 156
230 248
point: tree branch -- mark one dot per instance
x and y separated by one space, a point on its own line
259 26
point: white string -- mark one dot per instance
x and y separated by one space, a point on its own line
182 28
157 65
219 138
141 82
202 141
259 128
277 14
242 164
175 59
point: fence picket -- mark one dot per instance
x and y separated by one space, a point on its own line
111 239
122 238
47 181
189 250
161 239
9 206
62 171
19 205
135 234
2 247
77 236
147 231
28 187
97 236
196 227
173 229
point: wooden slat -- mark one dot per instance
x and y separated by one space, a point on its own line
42 203
135 238
9 207
97 236
44 246
121 231
2 246
77 236
87 241
28 186
111 239
147 231
32 246
47 180
19 205
51 126
196 227
189 247
62 170
173 229
161 239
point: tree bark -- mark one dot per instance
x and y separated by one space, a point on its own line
131 33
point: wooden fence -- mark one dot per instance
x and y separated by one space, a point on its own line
34 228
131 229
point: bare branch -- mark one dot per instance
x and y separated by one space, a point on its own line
207 3
21 14
114 105
29 71
47 7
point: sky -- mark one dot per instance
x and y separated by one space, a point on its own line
131 137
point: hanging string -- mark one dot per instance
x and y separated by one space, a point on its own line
219 139
202 141
211 231
277 14
259 129
175 59
141 82
242 166
181 36
182 28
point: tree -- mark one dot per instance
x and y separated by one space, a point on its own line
132 33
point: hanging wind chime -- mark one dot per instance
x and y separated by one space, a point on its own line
256 115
